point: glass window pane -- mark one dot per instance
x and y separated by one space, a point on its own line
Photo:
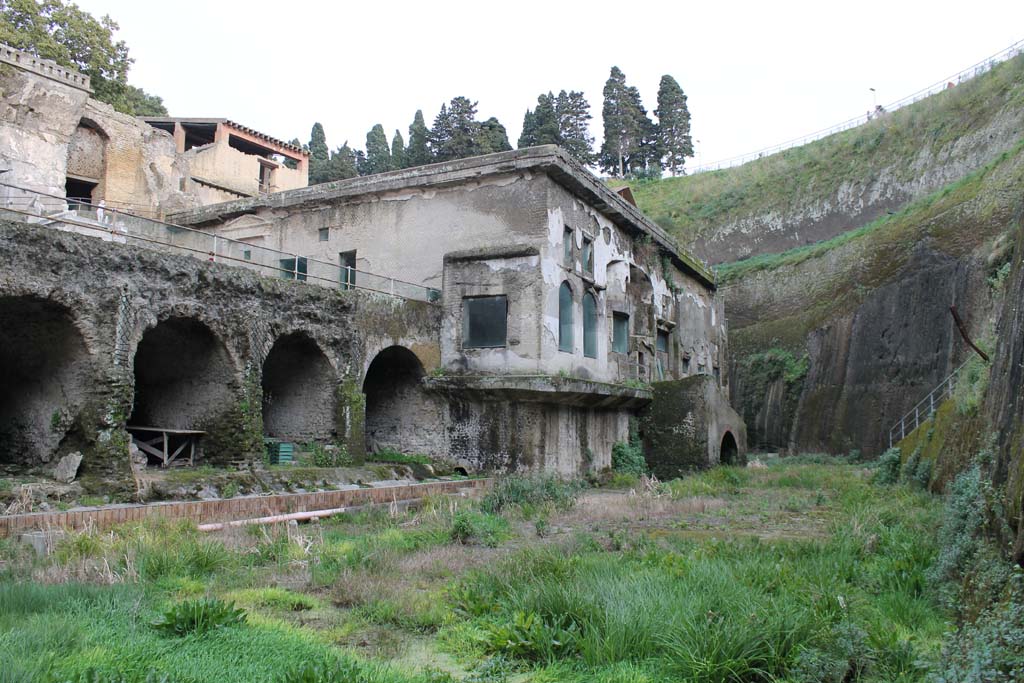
484 322
565 318
589 326
620 333
567 246
289 271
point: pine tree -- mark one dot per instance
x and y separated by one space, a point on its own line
674 141
543 128
397 151
456 131
622 125
340 166
492 137
573 113
378 153
418 152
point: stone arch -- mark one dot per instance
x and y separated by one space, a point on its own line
299 401
729 452
400 413
87 163
47 374
184 376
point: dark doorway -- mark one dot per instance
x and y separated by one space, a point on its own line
46 375
400 414
298 391
79 191
729 452
183 376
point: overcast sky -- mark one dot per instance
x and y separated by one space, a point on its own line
756 73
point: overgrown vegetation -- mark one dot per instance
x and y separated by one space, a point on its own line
800 571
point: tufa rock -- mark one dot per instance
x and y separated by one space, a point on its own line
67 468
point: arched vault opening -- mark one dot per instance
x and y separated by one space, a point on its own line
183 376
46 374
729 451
298 391
400 413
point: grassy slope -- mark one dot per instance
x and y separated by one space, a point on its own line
801 572
956 220
693 206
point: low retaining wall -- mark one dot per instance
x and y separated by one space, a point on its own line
233 508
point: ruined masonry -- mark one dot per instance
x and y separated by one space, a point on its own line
505 312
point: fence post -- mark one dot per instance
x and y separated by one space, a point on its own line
295 267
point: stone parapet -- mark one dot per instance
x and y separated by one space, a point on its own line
44 67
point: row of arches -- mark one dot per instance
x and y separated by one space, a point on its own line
183 374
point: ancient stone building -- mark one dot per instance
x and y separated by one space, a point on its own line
60 142
561 303
503 312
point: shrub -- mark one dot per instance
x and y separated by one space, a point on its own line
887 468
531 637
628 458
533 490
199 616
483 528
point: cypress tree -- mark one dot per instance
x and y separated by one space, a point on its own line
418 152
319 156
341 165
674 141
397 151
378 153
529 133
645 159
622 130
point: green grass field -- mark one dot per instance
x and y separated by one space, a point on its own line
800 571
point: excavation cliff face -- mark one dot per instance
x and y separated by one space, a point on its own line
1004 404
862 326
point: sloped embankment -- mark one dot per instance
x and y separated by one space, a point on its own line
861 322
817 191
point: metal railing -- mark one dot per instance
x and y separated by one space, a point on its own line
970 72
924 409
127 228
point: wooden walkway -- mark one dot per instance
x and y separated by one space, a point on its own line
230 509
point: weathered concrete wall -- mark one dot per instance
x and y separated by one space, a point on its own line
113 301
686 424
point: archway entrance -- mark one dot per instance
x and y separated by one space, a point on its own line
298 391
46 375
729 450
183 376
400 414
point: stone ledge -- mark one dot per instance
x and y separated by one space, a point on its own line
541 389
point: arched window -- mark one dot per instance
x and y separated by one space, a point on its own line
565 317
589 325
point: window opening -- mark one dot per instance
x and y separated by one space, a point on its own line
620 333
567 246
291 270
324 234
565 317
588 256
589 325
662 341
484 322
347 259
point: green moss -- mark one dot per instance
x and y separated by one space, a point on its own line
350 419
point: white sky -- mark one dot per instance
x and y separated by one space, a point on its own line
756 73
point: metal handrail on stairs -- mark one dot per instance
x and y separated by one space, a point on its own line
924 409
